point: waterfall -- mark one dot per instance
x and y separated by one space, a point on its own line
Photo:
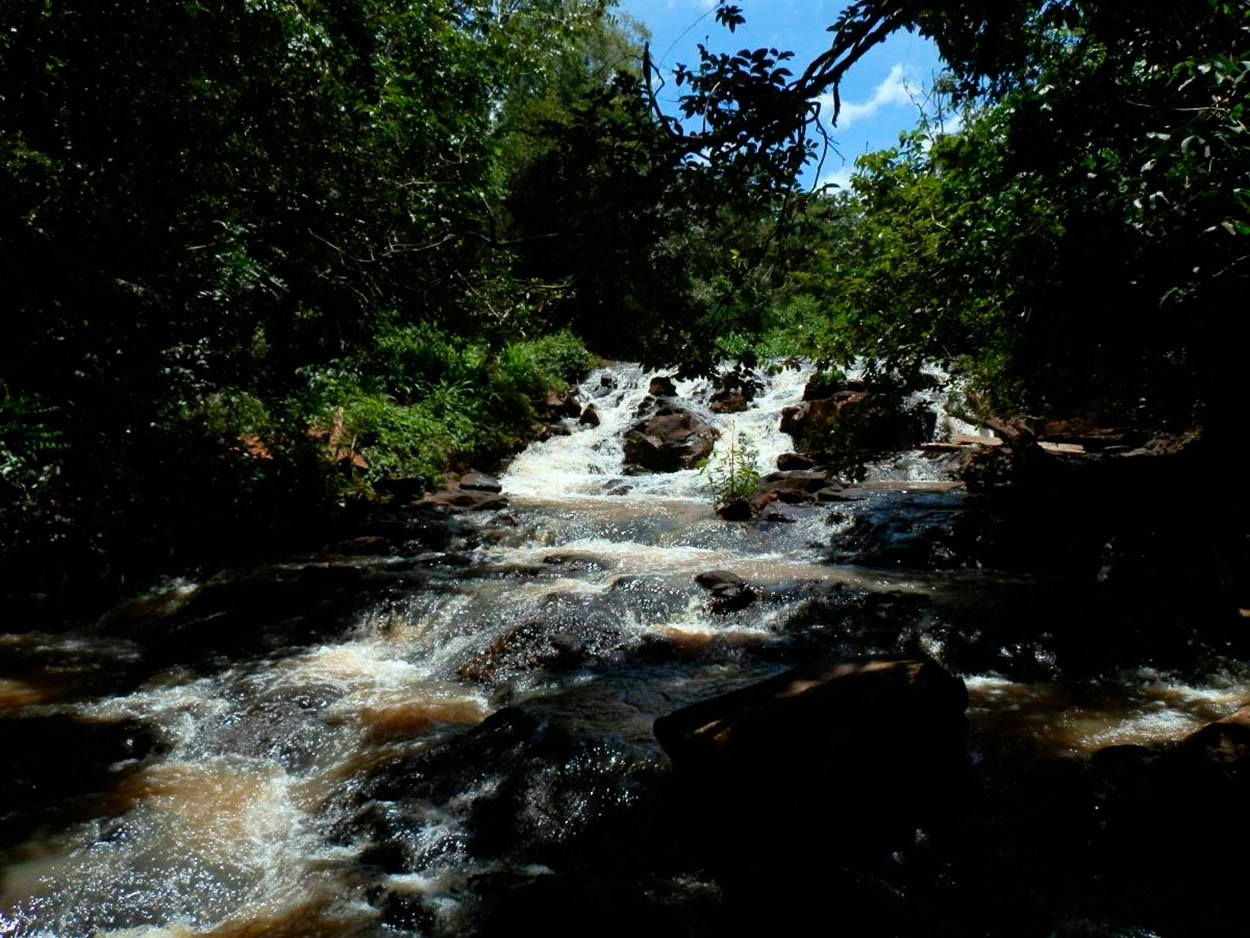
589 461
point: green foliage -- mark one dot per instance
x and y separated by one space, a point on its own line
422 402
31 446
1075 248
558 359
221 225
732 472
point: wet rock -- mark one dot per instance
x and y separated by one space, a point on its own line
53 762
787 462
734 391
646 406
455 498
807 422
557 404
652 600
330 575
569 633
762 502
283 725
407 912
858 732
390 856
778 514
574 562
550 430
802 486
259 610
824 385
479 482
1187 800
427 529
727 402
473 569
926 531
829 619
729 591
366 544
522 787
670 440
662 386
737 509
589 417
832 493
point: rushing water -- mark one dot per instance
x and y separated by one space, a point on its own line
388 745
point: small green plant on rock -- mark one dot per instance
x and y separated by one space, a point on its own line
733 477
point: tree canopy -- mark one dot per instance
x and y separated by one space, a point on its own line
1079 244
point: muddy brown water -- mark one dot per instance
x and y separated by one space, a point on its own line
395 752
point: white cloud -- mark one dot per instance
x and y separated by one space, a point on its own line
840 177
897 89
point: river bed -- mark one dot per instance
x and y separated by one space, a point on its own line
401 744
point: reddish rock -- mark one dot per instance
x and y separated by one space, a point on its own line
802 486
662 386
879 425
806 422
670 440
727 402
734 391
561 405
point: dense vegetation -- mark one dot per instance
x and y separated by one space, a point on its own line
251 260
1079 246
257 256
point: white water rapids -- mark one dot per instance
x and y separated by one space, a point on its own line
274 780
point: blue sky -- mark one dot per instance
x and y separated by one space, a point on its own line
878 93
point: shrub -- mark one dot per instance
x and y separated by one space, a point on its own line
733 474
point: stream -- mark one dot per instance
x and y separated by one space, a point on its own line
455 737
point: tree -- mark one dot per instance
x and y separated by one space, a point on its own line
1100 180
207 205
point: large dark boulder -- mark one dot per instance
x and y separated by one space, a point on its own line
56 766
878 420
853 754
1187 800
566 634
807 422
729 591
669 440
